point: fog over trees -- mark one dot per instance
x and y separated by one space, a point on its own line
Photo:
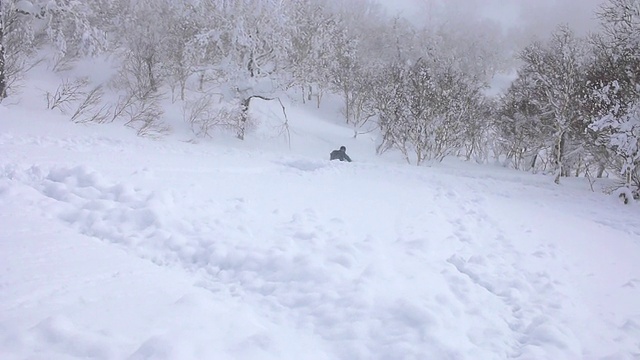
421 74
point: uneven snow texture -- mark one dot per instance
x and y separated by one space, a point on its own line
114 247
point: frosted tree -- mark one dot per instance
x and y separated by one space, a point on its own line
258 49
522 132
17 40
145 37
74 29
617 89
26 26
477 129
394 42
357 51
459 118
424 109
391 105
248 44
345 67
620 132
351 77
312 26
471 51
557 69
3 72
140 52
181 26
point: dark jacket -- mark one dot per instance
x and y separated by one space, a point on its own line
339 155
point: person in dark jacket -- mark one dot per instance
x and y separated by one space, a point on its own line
340 154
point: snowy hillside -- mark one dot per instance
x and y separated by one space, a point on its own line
118 247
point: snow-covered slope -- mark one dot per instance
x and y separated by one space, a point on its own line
117 247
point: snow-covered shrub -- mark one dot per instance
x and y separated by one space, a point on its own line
621 134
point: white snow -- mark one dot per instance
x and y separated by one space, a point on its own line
118 247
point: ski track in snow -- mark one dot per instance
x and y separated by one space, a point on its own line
533 324
457 287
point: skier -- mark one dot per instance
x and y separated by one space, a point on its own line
340 154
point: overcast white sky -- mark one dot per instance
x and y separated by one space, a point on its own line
535 17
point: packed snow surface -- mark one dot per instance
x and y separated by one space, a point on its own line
118 247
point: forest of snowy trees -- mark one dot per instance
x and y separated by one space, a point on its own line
572 110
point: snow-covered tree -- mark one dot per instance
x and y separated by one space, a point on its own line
556 70
17 40
357 51
3 75
243 53
522 132
181 26
64 26
392 104
616 84
427 109
344 67
73 29
311 27
621 134
140 52
477 130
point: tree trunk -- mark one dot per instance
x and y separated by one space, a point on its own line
244 114
244 117
201 82
601 169
318 97
3 79
627 175
152 79
347 106
560 168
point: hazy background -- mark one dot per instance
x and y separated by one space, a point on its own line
519 19
507 26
